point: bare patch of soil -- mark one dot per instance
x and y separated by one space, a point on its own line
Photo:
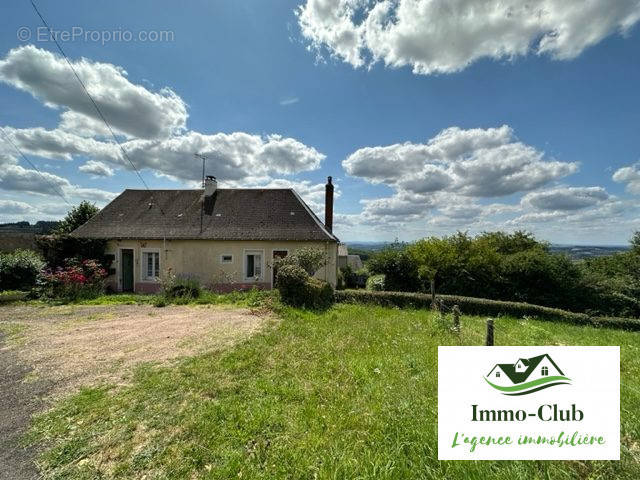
72 346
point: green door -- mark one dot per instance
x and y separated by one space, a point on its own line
127 270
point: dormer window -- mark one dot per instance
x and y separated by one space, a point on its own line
545 371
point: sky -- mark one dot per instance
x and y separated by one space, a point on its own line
432 116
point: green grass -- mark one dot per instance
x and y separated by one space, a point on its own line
350 393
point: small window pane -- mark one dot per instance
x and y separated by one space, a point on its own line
258 265
149 265
156 270
250 266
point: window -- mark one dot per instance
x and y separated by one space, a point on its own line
253 265
545 371
150 265
226 258
497 374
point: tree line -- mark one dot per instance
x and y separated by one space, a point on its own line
513 266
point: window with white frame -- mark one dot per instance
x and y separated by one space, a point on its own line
150 265
253 265
226 258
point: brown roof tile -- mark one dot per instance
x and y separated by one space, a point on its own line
230 214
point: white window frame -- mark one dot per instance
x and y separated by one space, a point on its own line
251 251
273 280
143 268
223 262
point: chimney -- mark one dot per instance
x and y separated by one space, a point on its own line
328 205
210 185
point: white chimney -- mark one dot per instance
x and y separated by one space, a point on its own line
210 185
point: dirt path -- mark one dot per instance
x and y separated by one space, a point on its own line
48 352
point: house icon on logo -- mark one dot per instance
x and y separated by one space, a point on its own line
526 375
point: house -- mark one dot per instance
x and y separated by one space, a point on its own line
344 259
227 238
524 369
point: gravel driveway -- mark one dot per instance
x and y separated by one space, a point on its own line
48 352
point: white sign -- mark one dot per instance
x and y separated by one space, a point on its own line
528 403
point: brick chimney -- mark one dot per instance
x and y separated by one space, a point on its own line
328 205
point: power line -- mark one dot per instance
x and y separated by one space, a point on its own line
53 186
53 37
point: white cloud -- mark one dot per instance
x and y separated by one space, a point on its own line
18 179
130 109
475 162
443 36
629 176
566 198
11 207
289 101
97 169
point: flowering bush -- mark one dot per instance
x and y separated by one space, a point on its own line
78 279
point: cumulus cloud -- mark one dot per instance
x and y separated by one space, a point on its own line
566 198
444 36
97 169
629 176
151 126
12 207
131 109
474 162
18 179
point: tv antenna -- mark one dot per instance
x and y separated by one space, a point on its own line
204 159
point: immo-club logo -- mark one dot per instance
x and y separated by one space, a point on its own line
526 376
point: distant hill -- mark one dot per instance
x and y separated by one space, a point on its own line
41 227
576 252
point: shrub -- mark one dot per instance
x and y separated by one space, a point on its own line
482 306
290 281
310 259
77 280
10 296
19 270
179 286
298 289
375 283
57 249
399 269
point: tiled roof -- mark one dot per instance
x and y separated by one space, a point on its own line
230 214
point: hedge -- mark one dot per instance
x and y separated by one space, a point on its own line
483 306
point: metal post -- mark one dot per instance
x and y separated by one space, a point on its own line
489 340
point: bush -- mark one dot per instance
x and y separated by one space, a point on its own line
357 279
57 249
481 306
77 280
180 286
19 270
310 259
375 283
398 267
298 289
10 296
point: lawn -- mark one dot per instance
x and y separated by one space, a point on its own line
350 393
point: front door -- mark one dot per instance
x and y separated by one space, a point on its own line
126 264
274 271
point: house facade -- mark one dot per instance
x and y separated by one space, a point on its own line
227 238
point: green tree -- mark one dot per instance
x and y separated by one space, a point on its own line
635 242
76 217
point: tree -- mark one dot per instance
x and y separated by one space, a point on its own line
76 217
635 242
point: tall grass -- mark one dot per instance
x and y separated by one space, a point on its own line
350 393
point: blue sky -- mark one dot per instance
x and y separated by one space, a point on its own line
525 122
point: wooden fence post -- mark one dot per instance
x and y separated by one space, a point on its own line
456 318
489 340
